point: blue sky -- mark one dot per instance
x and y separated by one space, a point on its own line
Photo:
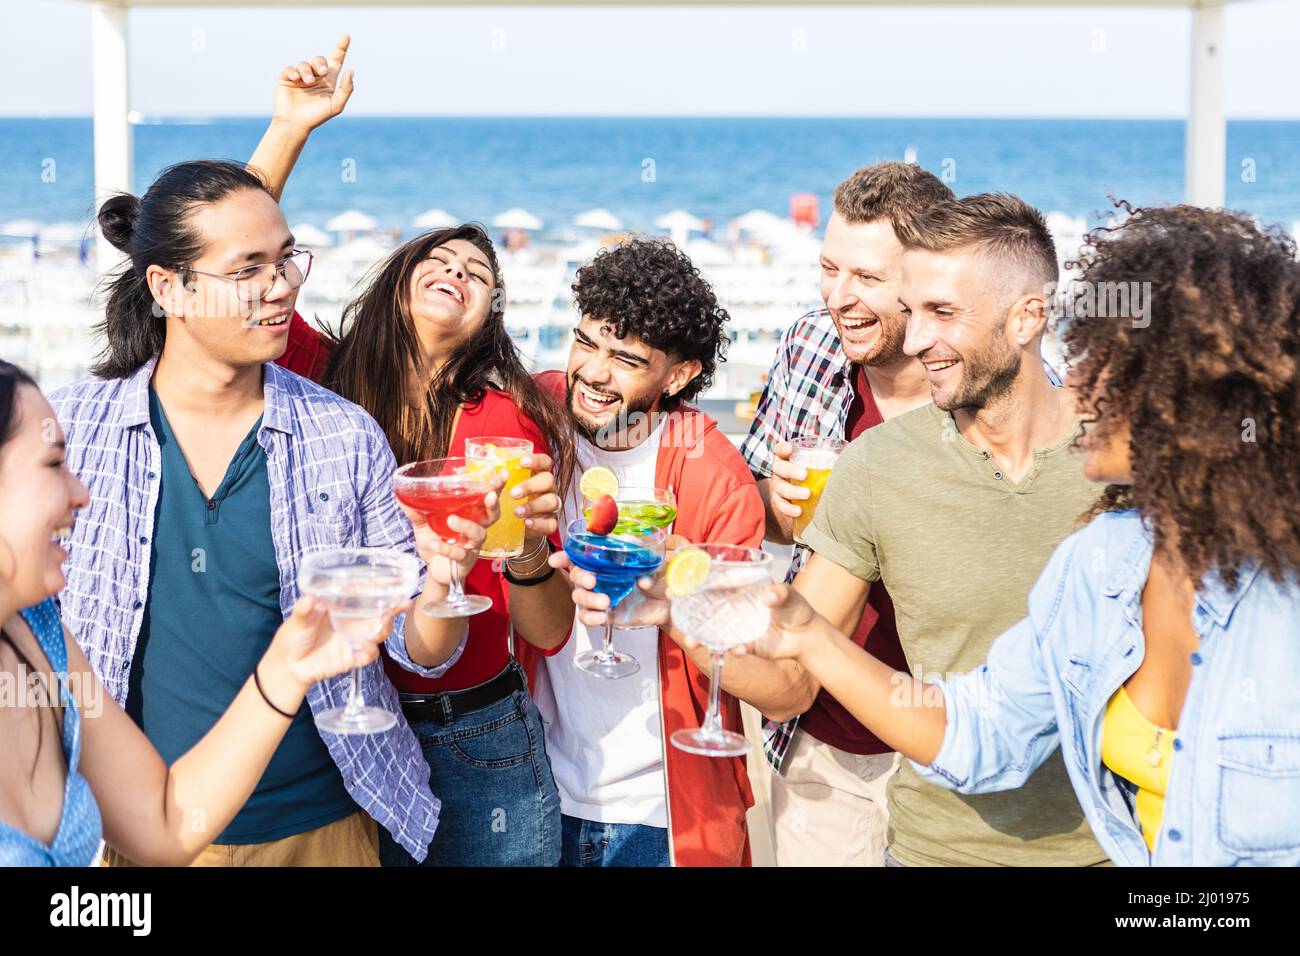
790 61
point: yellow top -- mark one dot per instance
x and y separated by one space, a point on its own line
1142 753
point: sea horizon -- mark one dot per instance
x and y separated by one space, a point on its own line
639 167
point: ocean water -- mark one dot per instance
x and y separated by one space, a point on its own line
395 168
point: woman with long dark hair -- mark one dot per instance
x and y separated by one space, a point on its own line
76 767
424 349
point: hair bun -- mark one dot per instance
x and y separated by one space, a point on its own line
117 218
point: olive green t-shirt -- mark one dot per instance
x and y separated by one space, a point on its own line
959 545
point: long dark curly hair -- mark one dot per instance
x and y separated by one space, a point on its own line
1209 388
648 288
371 360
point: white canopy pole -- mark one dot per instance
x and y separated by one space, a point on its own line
1207 121
111 102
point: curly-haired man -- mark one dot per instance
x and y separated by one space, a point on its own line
650 336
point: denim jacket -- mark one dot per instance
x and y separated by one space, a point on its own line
1234 790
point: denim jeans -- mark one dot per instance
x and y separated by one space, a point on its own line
588 843
500 806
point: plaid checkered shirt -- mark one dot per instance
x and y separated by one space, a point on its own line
331 477
809 392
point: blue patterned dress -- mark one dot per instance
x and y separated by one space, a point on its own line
80 827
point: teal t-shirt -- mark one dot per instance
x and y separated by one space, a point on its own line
213 607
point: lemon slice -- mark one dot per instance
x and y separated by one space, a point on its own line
482 466
687 571
598 481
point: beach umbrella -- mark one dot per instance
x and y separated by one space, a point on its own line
759 221
351 221
679 223
517 219
434 219
305 234
22 228
600 218
680 219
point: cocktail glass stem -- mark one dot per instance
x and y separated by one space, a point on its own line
607 652
455 593
355 705
713 718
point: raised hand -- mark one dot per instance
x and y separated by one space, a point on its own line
313 91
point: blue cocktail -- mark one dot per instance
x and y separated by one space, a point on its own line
617 560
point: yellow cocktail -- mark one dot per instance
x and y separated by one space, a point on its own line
817 457
505 539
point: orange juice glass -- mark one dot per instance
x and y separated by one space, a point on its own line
505 539
817 456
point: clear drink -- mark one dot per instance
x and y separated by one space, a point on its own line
505 539
727 610
358 586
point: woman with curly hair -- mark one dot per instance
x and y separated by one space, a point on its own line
1161 644
424 349
648 340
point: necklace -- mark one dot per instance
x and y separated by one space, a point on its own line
1154 755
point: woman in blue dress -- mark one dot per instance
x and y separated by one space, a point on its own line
76 767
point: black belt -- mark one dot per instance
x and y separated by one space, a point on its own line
449 705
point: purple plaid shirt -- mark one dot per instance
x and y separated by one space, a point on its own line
331 476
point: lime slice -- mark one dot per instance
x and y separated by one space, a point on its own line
598 481
687 571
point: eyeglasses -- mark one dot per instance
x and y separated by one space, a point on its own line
252 283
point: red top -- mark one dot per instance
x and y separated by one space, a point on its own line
487 650
827 720
307 351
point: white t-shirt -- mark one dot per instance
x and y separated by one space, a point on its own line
605 737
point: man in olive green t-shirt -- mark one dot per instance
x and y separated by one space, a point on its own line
959 544
957 507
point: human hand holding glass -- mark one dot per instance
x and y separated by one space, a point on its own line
362 590
616 562
725 609
451 504
815 457
511 457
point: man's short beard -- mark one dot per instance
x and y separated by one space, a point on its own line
890 349
990 375
599 435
